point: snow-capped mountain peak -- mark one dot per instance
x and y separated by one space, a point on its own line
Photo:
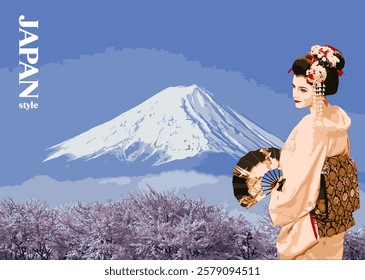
176 123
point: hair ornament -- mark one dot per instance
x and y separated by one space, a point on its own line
322 57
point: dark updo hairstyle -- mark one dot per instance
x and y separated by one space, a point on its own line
302 64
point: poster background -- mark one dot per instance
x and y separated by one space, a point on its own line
100 59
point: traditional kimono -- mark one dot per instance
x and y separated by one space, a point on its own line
301 160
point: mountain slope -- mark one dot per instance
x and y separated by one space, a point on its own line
175 124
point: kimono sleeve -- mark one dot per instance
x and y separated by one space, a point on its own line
301 161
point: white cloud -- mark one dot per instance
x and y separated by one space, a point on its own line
118 180
176 180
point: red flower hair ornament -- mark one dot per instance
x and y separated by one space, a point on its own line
322 57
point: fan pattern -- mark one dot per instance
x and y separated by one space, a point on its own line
255 175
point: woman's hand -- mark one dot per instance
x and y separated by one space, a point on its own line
279 184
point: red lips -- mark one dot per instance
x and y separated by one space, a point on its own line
296 101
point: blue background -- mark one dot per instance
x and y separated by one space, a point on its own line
255 39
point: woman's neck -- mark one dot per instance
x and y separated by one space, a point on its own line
313 108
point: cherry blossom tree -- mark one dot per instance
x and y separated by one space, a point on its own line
145 225
27 230
354 245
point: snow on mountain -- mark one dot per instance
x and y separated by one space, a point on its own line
176 123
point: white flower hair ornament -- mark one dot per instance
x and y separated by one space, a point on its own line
322 57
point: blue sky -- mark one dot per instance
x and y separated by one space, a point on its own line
257 38
226 46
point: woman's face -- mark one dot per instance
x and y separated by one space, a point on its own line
302 92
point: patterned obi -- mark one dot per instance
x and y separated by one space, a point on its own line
338 197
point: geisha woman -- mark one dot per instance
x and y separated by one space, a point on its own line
320 135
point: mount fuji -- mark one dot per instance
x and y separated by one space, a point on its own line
176 124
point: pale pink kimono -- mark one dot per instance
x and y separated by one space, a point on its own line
302 158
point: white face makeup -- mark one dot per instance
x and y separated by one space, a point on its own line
302 92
